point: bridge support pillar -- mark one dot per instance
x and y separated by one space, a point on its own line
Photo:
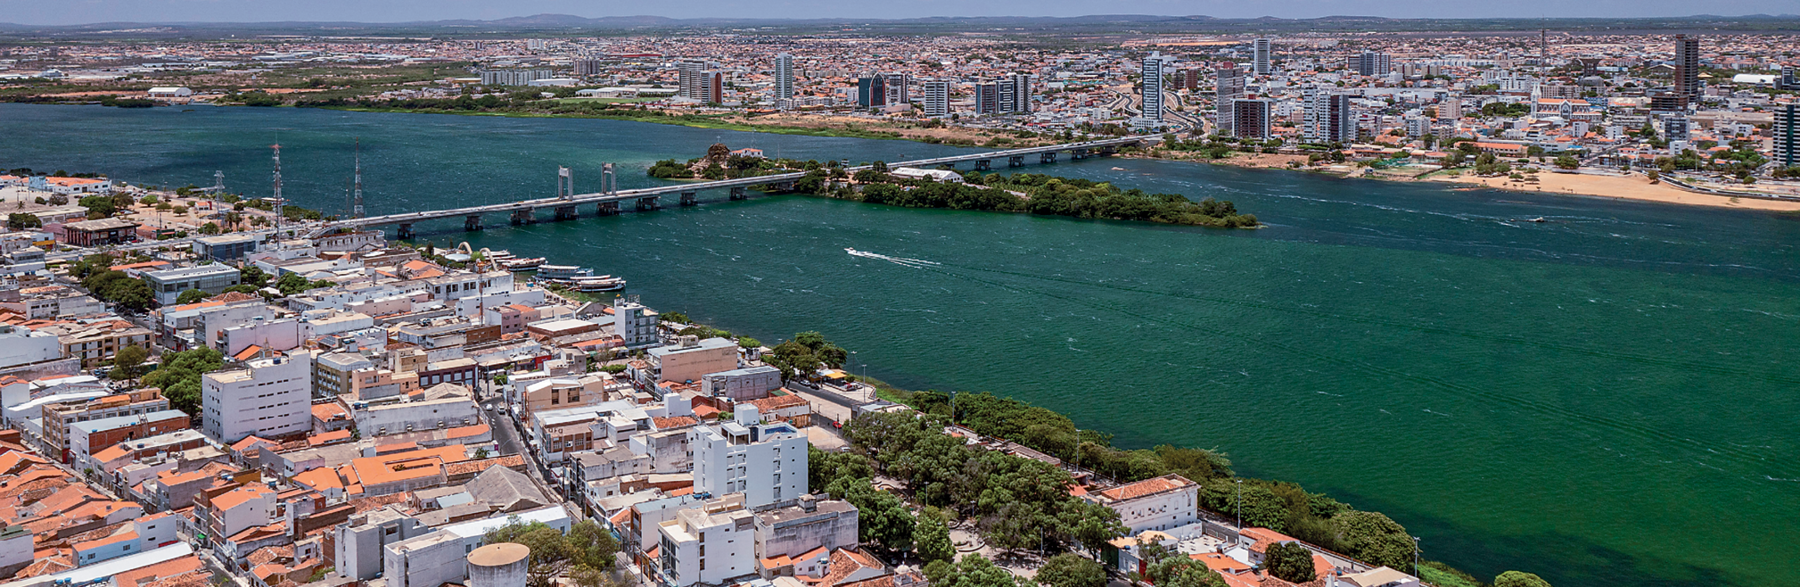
405 231
566 212
472 222
648 203
983 164
786 186
693 199
1047 157
1078 154
1015 161
607 208
523 216
1108 150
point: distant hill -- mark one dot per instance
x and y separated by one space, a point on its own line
566 24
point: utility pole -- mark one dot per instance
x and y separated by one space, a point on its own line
1240 507
356 201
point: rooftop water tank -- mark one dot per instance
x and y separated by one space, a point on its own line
499 565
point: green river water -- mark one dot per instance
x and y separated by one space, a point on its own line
1605 398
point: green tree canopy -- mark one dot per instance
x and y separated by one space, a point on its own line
932 539
179 376
191 296
1290 561
1071 570
127 361
551 552
793 359
1519 579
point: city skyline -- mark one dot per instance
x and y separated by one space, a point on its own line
40 13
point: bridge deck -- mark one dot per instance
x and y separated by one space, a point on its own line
625 195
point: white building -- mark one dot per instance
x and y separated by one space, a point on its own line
1152 78
765 462
937 175
936 101
23 346
446 405
1264 59
634 323
268 398
1159 503
170 92
722 527
784 76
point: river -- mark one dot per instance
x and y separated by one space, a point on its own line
1604 398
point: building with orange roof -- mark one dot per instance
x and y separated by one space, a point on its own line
226 511
1158 503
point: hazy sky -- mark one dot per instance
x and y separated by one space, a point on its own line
90 11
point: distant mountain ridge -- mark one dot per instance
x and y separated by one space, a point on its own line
1144 23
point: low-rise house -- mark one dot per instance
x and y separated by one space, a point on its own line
442 406
1159 503
86 438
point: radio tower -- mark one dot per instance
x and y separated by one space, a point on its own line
356 202
279 203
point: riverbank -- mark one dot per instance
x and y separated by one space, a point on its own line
1632 187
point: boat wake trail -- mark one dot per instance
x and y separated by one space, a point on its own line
902 261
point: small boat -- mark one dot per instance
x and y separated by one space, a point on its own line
523 263
598 284
1538 219
562 273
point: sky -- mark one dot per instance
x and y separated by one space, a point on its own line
64 12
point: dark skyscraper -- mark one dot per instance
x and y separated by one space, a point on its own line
871 91
1687 67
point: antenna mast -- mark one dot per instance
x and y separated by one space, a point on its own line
356 205
279 202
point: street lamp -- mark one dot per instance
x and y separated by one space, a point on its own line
1240 505
1415 556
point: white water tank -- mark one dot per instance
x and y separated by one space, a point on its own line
499 565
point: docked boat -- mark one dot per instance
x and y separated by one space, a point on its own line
602 283
522 263
562 273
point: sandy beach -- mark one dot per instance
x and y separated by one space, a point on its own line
1629 188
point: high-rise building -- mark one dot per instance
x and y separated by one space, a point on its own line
871 91
765 462
1228 85
899 88
936 97
512 77
1371 63
1152 78
1790 80
1007 95
1450 108
1328 117
590 66
1021 83
784 76
1676 128
268 398
987 98
1787 134
1250 118
1264 60
1687 67
701 84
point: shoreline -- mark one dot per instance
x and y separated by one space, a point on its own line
1631 188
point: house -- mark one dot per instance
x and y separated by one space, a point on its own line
94 233
1159 503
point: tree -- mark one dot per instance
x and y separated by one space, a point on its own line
1290 561
209 228
22 221
749 343
594 546
551 552
1071 570
127 360
179 376
119 288
1566 162
1374 538
1519 579
932 538
191 296
292 283
253 275
972 571
793 359
882 518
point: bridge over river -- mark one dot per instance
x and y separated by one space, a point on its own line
608 201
